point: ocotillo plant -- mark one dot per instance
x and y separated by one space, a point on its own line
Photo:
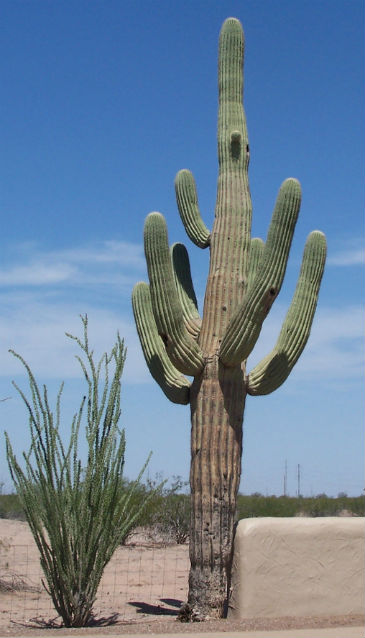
245 277
78 512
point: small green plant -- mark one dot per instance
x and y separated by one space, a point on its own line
11 507
78 514
172 518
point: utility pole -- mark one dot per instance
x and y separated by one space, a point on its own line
286 478
298 477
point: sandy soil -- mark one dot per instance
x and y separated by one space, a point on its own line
142 589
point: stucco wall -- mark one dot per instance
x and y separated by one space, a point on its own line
298 567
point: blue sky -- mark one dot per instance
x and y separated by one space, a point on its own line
102 103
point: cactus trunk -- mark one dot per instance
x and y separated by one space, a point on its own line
245 277
217 404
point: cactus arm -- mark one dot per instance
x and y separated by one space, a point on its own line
175 386
245 325
185 289
256 252
183 351
187 203
272 371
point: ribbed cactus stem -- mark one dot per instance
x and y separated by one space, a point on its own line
272 371
230 238
175 386
187 203
245 326
256 252
180 347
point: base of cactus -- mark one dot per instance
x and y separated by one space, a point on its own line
207 596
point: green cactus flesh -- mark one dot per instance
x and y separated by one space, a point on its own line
183 351
256 251
173 383
270 373
185 289
187 203
244 279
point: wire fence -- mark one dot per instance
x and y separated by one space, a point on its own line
139 581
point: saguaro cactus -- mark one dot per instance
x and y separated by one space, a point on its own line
245 277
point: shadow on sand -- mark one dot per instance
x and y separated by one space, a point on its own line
158 610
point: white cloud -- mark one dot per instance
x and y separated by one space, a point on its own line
36 331
108 263
44 292
37 274
107 252
337 324
352 255
335 347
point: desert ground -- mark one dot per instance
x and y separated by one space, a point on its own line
141 591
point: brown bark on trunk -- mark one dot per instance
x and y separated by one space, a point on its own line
217 405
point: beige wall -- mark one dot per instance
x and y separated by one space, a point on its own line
298 567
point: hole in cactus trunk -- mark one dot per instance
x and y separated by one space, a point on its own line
236 145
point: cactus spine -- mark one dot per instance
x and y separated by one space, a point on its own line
245 277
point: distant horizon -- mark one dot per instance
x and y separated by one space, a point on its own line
254 494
